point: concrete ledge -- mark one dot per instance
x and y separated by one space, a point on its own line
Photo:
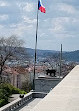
64 97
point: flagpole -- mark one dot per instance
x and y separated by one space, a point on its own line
35 51
61 60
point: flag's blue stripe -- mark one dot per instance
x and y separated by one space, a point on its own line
39 5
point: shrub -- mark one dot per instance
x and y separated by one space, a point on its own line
3 102
17 91
7 87
6 90
11 89
26 86
4 94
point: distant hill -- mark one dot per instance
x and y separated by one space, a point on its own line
71 56
41 53
68 56
26 53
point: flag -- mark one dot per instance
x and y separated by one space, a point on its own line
41 7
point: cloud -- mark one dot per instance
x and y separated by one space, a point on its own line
28 7
25 6
44 35
1 27
66 8
28 20
58 24
61 24
3 17
21 28
64 27
3 4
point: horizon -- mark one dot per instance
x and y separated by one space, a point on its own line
51 50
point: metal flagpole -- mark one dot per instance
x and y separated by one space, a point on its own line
61 60
35 51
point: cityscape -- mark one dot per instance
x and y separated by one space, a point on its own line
39 55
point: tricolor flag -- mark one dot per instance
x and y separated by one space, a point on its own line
41 7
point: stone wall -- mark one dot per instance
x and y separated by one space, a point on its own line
45 84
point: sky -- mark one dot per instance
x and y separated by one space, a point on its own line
59 25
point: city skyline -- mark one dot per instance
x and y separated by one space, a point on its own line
59 25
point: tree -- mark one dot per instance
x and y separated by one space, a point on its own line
8 48
26 86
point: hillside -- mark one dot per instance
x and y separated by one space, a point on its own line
41 53
71 56
68 56
26 53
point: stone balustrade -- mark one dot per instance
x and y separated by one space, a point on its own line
20 101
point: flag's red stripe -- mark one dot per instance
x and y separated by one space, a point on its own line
42 9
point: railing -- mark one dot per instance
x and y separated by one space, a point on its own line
20 101
17 103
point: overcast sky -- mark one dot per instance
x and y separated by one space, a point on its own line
59 25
